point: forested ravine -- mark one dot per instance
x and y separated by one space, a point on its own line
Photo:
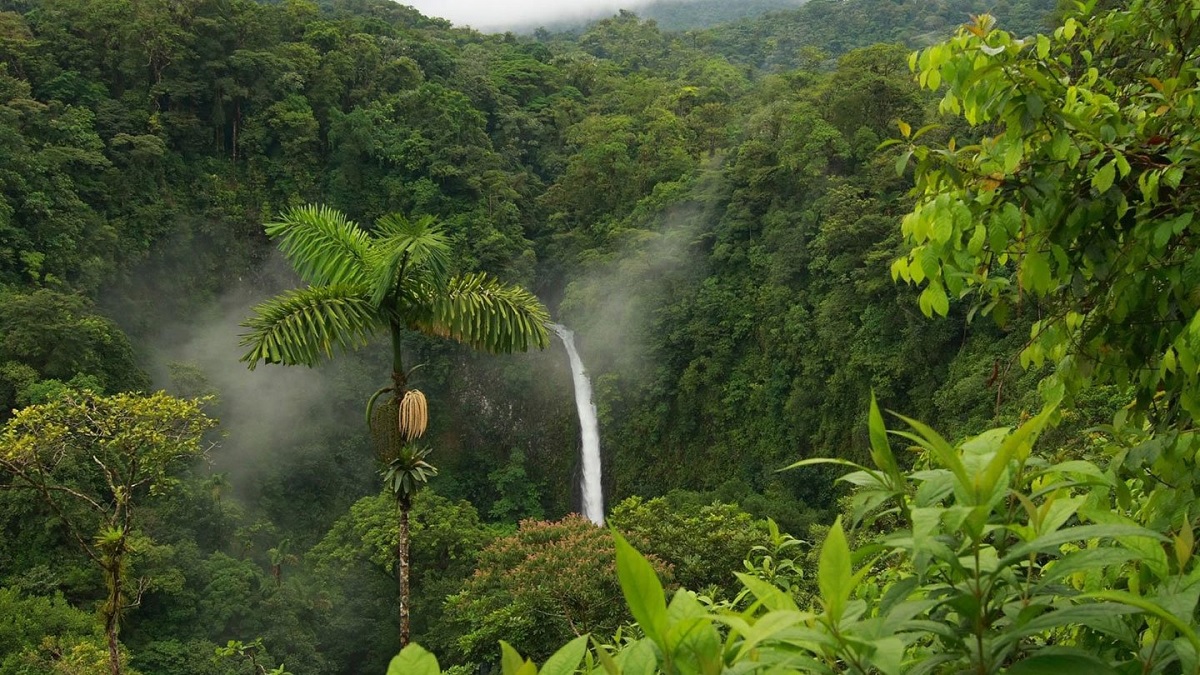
716 206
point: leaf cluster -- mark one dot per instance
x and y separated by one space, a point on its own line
394 277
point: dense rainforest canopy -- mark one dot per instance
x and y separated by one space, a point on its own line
728 210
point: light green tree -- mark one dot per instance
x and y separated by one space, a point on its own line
93 459
1075 202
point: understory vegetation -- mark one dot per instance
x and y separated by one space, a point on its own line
890 310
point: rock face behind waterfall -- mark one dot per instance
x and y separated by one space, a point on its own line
589 430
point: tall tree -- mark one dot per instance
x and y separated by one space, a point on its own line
393 279
92 459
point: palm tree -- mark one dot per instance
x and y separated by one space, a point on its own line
406 474
393 279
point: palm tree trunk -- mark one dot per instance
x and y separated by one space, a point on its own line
398 388
402 574
398 378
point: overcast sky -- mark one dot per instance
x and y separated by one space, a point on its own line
491 15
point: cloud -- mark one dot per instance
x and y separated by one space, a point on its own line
260 411
496 15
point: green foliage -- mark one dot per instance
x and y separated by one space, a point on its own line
250 653
760 286
1004 561
413 659
34 629
407 473
1080 210
136 441
545 584
93 460
517 493
46 335
355 562
642 589
780 562
991 555
799 37
705 546
745 218
360 284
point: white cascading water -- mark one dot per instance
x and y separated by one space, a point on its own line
593 493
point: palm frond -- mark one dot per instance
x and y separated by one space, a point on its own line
303 326
400 245
483 313
325 248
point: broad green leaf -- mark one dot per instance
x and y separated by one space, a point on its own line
1043 46
606 660
769 625
926 522
1173 176
881 449
902 162
1016 445
943 227
638 659
942 451
767 594
933 300
1187 655
1035 271
694 645
1061 664
934 486
1016 150
932 663
1056 512
887 655
1076 466
642 589
1150 607
566 660
1179 597
834 571
1050 541
1072 615
1185 543
1102 180
510 661
414 660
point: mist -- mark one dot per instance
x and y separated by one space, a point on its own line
518 14
266 414
614 305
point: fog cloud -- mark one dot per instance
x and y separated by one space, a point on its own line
265 414
498 15
616 306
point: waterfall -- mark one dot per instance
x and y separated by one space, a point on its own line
593 493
